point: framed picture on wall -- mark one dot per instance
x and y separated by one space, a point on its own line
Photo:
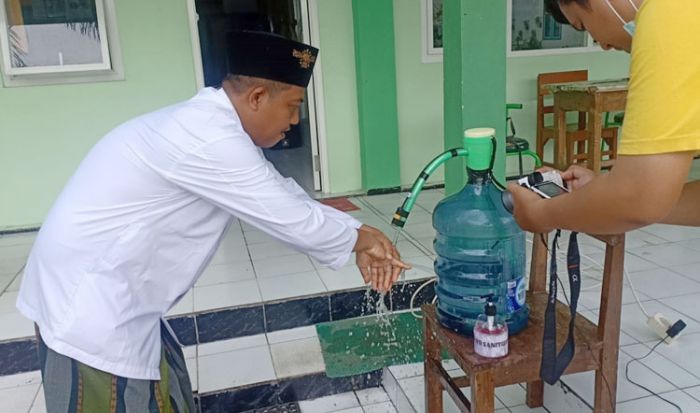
534 32
431 16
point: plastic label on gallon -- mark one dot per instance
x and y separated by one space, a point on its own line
516 294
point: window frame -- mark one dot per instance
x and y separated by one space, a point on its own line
111 68
591 45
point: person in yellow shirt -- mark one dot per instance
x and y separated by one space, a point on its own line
661 131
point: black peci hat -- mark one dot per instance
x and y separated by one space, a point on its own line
270 56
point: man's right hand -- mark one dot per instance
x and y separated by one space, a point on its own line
378 260
577 177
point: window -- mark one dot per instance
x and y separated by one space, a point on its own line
432 30
56 41
533 32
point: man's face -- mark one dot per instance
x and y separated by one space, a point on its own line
277 112
601 22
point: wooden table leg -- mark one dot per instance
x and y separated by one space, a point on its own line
594 133
609 328
433 388
535 394
483 392
560 135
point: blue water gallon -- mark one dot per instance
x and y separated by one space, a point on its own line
480 255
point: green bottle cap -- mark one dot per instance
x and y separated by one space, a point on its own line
478 144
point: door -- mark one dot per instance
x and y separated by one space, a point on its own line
211 21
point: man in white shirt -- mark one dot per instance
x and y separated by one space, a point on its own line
140 219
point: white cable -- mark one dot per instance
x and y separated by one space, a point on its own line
415 294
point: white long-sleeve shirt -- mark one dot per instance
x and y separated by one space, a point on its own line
140 219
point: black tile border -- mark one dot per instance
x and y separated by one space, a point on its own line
19 356
284 391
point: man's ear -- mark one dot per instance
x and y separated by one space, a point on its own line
256 97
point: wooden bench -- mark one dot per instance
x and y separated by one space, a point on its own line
596 346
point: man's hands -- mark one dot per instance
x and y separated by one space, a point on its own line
529 209
378 260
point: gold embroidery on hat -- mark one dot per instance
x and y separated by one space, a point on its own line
305 58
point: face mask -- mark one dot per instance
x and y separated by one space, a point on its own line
630 26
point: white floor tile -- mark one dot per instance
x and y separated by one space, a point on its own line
184 306
667 255
21 379
672 233
15 284
662 366
15 251
686 304
345 278
298 357
661 283
14 325
39 405
583 383
18 399
235 368
7 302
224 346
691 271
641 238
384 407
224 273
192 371
525 409
289 286
291 334
226 295
333 403
25 238
230 253
407 370
408 249
273 267
656 405
372 395
694 392
257 237
11 266
558 398
681 352
422 268
513 395
634 322
633 263
270 250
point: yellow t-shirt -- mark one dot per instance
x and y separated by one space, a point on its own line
663 104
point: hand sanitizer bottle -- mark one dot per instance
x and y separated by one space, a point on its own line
490 337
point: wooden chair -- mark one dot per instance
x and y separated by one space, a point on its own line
576 151
597 347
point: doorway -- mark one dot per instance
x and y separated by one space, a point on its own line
297 155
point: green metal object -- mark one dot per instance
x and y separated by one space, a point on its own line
375 65
518 146
474 54
477 147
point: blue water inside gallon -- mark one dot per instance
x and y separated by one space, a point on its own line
480 254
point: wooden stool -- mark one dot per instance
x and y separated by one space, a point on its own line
596 346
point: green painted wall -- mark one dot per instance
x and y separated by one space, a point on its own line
375 66
41 142
474 76
337 59
420 91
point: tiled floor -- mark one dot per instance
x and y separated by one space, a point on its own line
250 267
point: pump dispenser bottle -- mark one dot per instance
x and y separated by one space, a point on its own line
490 336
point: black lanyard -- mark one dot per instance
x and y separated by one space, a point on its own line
553 364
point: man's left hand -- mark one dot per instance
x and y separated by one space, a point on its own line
528 210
